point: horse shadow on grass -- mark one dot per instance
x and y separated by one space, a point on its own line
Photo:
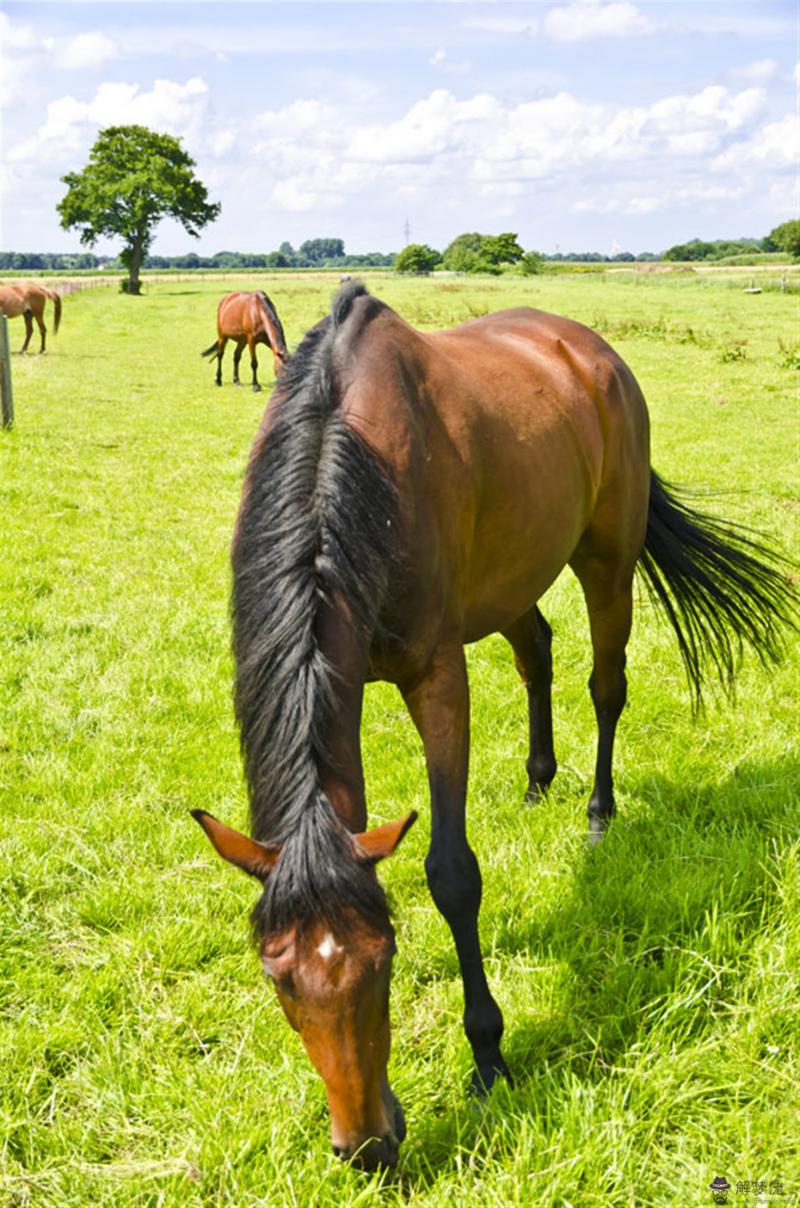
678 886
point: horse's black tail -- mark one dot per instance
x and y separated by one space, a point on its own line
56 296
211 350
721 585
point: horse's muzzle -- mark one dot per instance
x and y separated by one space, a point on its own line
373 1154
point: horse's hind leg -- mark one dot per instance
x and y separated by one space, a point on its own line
28 317
42 331
609 600
251 344
221 342
531 637
237 356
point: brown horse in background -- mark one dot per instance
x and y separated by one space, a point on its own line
408 493
248 318
28 299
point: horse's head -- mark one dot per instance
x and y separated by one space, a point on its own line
279 360
333 986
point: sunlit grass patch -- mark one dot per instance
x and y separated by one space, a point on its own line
650 986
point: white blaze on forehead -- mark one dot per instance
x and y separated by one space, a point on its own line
328 947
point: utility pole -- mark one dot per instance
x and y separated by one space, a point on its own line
407 232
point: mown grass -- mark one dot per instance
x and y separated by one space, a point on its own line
650 986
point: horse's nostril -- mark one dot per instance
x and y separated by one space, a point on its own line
339 1151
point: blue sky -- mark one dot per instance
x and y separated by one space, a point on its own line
581 125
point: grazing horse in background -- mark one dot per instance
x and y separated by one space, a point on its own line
408 493
29 301
248 318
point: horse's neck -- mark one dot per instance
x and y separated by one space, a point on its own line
270 329
340 771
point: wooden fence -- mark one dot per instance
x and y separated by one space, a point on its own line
6 391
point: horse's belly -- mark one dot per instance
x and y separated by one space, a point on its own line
537 497
516 572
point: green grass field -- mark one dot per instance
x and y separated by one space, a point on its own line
650 986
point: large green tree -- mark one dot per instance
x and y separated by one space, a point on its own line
476 253
317 251
786 238
134 178
416 258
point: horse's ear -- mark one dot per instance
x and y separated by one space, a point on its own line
255 858
382 841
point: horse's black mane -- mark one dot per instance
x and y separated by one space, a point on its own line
319 512
269 307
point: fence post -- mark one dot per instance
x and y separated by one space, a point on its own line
5 375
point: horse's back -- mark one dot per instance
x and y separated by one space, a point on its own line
506 434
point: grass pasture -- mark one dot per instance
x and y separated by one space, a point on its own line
650 986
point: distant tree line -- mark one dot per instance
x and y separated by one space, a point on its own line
473 252
476 253
783 238
470 252
314 253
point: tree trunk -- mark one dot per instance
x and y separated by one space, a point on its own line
133 285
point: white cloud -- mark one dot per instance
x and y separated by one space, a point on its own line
17 37
698 194
298 120
320 155
442 60
537 139
221 143
86 51
713 107
298 197
434 126
590 19
774 146
514 26
758 72
20 49
71 124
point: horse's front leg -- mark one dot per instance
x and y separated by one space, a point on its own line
439 705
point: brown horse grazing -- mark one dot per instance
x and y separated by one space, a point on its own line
29 301
408 493
248 319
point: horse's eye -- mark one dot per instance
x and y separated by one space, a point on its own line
283 981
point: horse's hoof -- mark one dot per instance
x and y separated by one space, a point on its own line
597 828
256 388
483 1079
